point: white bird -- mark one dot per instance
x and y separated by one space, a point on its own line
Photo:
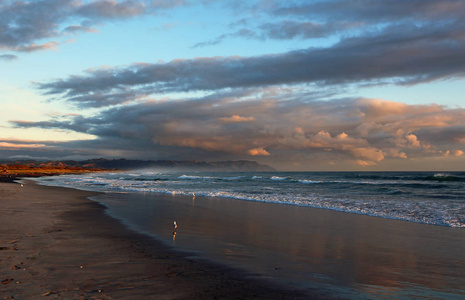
175 225
22 185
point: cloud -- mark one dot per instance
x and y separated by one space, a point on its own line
375 11
278 107
291 29
24 23
404 56
458 153
236 119
110 9
258 151
364 163
8 57
338 19
15 146
33 47
413 141
332 131
281 30
79 28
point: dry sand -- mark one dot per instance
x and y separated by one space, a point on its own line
56 244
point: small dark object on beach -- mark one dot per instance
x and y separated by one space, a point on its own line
6 281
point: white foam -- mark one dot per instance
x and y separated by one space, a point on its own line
278 178
306 181
192 177
232 178
387 204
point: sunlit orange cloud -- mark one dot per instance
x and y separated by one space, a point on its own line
364 163
237 119
322 139
345 131
458 153
356 147
413 141
414 116
376 108
53 45
258 152
409 141
12 146
371 154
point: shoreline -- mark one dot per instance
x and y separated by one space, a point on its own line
73 249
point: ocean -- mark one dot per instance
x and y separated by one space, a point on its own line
351 235
423 197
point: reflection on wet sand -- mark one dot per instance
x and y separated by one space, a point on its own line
350 255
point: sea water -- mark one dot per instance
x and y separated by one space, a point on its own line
422 197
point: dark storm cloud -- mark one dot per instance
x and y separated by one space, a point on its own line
24 23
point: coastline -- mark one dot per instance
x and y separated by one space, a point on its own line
56 243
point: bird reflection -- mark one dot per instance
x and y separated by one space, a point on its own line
175 226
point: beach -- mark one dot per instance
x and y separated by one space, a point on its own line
57 244
63 243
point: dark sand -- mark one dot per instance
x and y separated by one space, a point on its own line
56 244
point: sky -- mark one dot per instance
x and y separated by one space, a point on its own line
336 85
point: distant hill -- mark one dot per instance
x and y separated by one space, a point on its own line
128 164
11 172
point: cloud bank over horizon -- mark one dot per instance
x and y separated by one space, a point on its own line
293 109
360 132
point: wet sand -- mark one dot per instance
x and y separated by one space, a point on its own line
339 254
56 244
